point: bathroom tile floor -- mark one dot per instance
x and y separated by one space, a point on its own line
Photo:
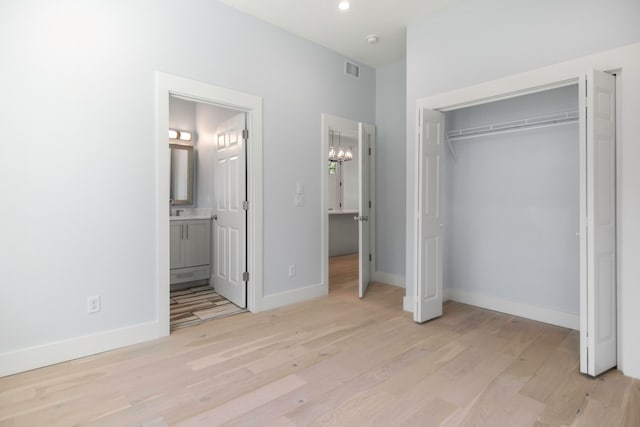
199 304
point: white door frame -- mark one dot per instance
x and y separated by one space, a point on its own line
334 122
167 85
547 78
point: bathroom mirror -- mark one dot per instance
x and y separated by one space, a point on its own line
181 174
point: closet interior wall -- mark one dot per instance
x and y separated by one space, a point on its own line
511 204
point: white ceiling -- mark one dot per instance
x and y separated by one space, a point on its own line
322 22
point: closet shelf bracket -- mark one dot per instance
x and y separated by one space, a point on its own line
451 149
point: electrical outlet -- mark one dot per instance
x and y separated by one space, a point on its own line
93 304
292 270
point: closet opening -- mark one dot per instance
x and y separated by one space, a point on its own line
516 209
511 203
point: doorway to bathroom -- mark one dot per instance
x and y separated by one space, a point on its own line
348 159
208 219
209 202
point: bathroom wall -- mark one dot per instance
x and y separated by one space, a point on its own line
182 115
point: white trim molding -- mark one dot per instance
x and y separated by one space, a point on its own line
25 359
553 317
293 296
389 279
407 303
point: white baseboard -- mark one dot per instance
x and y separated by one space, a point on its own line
407 303
13 362
293 296
553 317
389 279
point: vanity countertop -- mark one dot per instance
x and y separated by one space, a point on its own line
345 211
188 217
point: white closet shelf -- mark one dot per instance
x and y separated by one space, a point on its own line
513 126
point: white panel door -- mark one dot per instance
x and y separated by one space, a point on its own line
366 145
598 241
429 266
230 226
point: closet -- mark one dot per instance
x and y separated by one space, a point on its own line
516 206
511 201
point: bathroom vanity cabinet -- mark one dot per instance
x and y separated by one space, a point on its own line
190 254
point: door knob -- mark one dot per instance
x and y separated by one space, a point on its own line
215 217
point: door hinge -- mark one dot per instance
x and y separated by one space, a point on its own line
369 150
369 204
370 258
245 134
245 205
245 276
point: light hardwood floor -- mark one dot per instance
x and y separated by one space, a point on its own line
336 360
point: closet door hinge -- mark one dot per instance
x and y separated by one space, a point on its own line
369 204
245 205
245 134
245 276
369 150
370 258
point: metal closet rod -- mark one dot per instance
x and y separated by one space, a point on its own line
513 126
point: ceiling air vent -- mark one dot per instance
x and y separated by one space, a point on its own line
351 69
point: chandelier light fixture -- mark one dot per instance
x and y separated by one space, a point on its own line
339 154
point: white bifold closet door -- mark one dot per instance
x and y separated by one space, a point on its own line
230 218
598 345
429 265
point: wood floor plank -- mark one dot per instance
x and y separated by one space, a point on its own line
336 360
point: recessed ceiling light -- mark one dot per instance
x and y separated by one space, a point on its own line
344 5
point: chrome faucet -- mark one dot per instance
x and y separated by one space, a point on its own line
179 212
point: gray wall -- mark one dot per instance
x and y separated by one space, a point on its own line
390 167
343 235
78 116
475 41
512 205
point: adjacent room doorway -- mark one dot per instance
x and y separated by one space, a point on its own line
348 205
235 210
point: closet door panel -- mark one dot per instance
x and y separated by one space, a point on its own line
598 282
429 276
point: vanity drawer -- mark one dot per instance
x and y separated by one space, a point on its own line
189 274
